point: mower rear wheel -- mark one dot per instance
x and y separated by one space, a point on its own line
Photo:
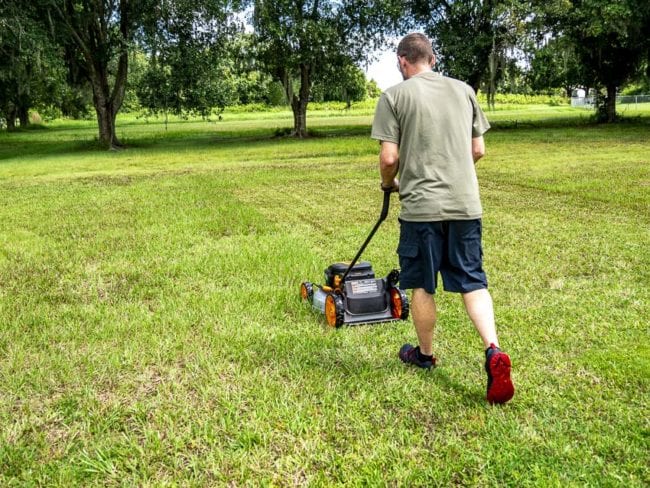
334 311
399 304
306 291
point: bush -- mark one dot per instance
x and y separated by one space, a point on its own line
519 99
276 94
35 118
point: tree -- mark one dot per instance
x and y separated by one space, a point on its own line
372 88
187 78
190 69
471 37
101 31
252 83
343 83
555 65
301 40
31 69
612 41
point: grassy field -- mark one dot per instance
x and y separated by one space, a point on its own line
151 332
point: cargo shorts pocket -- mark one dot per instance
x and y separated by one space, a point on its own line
409 261
407 250
408 246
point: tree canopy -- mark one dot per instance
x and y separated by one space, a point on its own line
32 69
301 41
101 33
612 40
189 57
187 44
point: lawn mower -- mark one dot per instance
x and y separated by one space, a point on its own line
351 295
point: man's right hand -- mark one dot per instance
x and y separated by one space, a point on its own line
393 187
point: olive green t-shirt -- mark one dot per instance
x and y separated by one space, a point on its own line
433 119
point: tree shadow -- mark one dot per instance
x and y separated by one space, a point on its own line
163 142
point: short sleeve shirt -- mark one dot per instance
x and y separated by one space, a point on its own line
433 119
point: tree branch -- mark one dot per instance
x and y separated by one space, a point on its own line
75 35
119 88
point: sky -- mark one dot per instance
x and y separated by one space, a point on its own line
384 70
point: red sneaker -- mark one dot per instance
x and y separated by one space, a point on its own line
497 365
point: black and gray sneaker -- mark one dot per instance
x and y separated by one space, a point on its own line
412 355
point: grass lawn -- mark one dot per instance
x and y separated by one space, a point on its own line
151 331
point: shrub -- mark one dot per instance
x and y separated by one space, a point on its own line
520 99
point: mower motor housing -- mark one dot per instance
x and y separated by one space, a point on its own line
359 298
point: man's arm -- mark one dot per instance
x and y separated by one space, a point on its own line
478 148
389 164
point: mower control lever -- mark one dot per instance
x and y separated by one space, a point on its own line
382 217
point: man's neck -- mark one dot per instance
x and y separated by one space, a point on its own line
416 69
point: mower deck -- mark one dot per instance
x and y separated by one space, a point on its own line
360 298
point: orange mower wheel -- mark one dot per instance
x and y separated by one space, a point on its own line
334 313
306 291
399 304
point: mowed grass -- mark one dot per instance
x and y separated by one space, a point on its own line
151 331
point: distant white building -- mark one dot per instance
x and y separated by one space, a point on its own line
579 98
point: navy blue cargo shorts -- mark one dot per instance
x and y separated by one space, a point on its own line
451 248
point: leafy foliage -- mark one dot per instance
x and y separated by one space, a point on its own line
612 40
316 40
472 37
344 83
31 67
555 65
189 71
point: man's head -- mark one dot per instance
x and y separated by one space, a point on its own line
414 55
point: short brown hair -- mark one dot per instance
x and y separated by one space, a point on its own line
416 48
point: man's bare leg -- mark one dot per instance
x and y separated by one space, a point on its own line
481 312
423 307
497 363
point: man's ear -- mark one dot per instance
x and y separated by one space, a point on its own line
433 60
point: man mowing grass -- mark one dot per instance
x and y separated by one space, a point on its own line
431 132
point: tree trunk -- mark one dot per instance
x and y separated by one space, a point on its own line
105 115
493 65
11 119
23 116
106 122
610 103
92 39
299 118
299 103
107 104
288 86
475 82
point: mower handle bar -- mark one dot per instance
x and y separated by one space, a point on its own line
382 217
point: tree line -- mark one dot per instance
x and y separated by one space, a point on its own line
183 56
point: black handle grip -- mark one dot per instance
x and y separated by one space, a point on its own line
384 208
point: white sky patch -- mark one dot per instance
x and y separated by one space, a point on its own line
384 69
245 17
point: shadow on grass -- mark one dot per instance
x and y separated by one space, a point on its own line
29 128
566 122
165 142
34 148
29 145
473 396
